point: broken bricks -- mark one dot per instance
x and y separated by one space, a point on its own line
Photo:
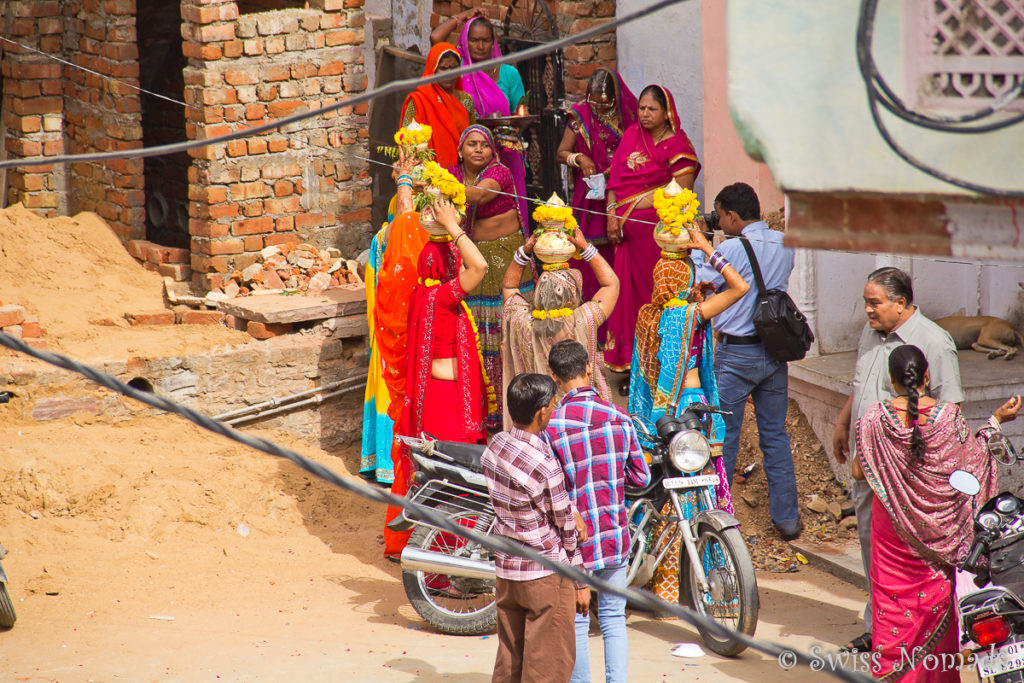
302 267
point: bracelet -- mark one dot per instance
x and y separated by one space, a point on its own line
405 176
455 242
574 159
589 253
404 184
520 257
718 262
611 206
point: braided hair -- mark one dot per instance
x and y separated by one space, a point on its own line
907 366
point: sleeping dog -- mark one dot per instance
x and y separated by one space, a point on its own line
984 333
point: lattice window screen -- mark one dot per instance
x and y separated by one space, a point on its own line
964 53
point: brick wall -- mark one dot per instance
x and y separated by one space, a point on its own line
32 102
287 185
101 114
571 16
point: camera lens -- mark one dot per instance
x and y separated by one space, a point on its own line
711 220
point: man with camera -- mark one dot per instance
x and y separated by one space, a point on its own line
743 366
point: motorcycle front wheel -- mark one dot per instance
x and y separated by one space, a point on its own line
451 604
732 598
7 615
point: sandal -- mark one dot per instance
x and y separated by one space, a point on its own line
861 643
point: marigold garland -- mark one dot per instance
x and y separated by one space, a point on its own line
492 396
550 213
436 176
553 313
407 135
678 211
676 302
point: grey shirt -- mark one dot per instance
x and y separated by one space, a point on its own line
871 376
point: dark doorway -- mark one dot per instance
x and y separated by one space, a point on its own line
161 71
253 6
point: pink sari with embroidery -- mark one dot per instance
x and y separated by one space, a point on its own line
920 528
639 167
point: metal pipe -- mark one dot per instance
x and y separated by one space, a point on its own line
277 401
290 406
417 559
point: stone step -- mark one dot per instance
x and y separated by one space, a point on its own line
841 560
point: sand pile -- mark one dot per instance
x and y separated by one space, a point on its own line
74 275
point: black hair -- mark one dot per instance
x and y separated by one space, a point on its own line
528 393
742 199
895 282
568 360
601 85
483 21
907 366
657 93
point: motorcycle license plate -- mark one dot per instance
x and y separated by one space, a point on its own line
1001 660
690 482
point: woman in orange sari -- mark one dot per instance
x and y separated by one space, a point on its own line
443 106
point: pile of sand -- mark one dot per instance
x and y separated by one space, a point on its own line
73 273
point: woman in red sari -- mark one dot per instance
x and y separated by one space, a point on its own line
443 106
921 528
447 392
653 151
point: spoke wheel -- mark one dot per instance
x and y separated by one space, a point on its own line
451 604
731 599
529 20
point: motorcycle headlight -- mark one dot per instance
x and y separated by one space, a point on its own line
689 451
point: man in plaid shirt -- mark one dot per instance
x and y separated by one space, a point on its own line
600 454
531 505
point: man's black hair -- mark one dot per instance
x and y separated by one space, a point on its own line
528 393
568 360
742 199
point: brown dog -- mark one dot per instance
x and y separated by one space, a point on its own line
984 333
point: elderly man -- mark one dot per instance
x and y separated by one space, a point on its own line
893 320
536 640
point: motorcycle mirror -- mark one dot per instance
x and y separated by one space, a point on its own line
964 482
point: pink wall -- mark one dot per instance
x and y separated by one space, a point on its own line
725 162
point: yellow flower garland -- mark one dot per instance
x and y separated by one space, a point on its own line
553 313
492 396
676 212
676 302
437 176
407 136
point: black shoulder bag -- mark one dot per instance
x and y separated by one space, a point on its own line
783 329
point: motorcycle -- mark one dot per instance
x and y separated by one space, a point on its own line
992 618
7 615
450 581
716 574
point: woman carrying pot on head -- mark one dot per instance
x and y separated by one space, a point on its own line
653 151
443 106
447 392
559 311
493 223
921 528
593 133
495 92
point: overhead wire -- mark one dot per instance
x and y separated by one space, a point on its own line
875 82
645 599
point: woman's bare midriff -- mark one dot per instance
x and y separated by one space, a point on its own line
692 379
495 227
443 368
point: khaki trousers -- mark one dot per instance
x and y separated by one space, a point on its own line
536 634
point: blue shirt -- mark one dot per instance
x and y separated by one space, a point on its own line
776 263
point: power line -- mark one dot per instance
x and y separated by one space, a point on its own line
645 599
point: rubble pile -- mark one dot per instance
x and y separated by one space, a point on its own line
291 267
15 323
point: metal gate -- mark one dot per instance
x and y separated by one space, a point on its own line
528 23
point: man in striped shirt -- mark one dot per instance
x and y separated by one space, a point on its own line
600 454
531 505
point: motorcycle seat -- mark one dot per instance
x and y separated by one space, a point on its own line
981 597
465 454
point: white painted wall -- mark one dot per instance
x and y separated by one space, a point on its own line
665 48
412 24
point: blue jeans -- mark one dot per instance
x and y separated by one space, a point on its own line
748 370
611 613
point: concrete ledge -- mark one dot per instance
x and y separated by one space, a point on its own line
841 561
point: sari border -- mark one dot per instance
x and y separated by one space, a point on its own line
923 651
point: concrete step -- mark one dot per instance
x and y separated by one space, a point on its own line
840 560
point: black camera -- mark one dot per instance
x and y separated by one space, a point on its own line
711 221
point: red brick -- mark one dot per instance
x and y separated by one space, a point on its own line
191 317
208 229
286 205
221 247
280 109
233 323
237 148
343 37
11 315
210 264
208 194
253 243
31 329
253 226
158 254
257 146
179 272
216 34
217 211
13 331
233 49
309 220
272 240
255 190
38 344
278 145
255 111
267 330
139 248
150 318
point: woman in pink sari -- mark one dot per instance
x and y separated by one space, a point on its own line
921 528
495 92
653 151
593 133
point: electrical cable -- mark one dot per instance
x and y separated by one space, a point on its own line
868 69
391 88
785 655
